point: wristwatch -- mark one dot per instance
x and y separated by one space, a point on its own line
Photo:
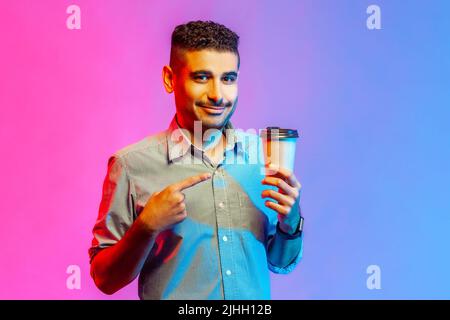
296 234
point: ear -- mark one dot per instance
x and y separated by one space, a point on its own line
168 80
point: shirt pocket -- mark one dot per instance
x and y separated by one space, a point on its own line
251 218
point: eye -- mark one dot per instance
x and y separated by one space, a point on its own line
229 79
201 78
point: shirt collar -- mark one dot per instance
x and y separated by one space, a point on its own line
178 144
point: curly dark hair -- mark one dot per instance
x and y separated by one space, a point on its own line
198 35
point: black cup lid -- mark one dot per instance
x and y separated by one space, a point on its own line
279 132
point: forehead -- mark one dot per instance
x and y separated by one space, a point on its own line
212 60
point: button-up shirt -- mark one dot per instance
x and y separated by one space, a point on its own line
220 250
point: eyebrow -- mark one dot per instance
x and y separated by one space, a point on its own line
209 73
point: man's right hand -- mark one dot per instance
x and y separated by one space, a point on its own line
166 208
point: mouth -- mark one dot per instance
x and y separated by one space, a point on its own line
213 110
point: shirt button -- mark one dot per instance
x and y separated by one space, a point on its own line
228 272
221 205
225 238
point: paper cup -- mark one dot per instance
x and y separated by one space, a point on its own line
279 148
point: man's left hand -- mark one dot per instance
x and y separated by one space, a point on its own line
287 197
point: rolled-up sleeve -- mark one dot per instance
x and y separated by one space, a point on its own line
290 248
117 211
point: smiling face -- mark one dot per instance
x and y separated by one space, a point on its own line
205 86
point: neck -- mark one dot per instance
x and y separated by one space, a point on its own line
202 137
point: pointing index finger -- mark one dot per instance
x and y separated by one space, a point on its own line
191 181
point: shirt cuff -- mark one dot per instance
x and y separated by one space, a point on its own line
291 266
291 242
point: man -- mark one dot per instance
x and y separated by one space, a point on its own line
176 211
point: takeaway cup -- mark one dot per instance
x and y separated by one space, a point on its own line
279 148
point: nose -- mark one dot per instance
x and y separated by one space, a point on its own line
214 94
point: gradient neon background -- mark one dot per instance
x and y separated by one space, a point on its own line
372 107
